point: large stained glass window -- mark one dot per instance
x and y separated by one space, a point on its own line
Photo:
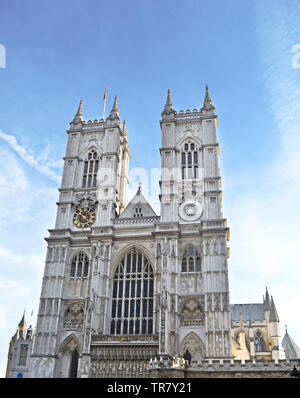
132 296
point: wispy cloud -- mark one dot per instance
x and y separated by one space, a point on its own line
265 218
39 162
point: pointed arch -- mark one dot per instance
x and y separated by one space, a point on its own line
79 264
194 345
91 165
132 246
132 294
65 353
189 136
190 159
83 154
70 343
192 259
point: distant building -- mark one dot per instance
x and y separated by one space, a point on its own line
255 331
20 348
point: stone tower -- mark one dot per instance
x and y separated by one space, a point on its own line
121 284
194 277
75 294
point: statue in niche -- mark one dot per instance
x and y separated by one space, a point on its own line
163 300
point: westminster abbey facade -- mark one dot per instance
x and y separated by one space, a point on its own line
123 285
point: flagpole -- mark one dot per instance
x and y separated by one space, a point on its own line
104 104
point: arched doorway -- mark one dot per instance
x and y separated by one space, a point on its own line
193 345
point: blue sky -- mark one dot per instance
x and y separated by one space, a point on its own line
58 52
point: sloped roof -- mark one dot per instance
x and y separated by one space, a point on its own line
140 202
253 312
292 351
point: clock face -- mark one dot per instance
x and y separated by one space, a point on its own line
84 217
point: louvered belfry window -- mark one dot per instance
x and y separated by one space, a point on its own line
90 170
132 296
189 161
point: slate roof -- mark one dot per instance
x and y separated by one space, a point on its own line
292 351
255 312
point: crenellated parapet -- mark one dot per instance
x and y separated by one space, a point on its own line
218 368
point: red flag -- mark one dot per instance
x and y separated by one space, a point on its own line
105 93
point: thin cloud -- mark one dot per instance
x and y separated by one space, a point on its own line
39 163
264 219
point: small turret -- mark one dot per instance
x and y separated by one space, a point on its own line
267 305
168 108
114 113
124 130
79 115
22 327
207 103
29 333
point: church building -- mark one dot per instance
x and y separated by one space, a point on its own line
123 285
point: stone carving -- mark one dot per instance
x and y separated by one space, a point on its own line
194 345
163 300
85 200
191 313
73 318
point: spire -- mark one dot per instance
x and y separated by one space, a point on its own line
168 106
22 322
79 116
273 312
169 102
267 303
114 113
22 327
207 103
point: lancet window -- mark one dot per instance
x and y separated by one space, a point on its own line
80 266
189 161
132 296
191 260
90 170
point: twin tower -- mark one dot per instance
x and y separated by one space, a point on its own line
122 284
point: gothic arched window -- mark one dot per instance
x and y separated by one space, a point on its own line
132 296
191 261
90 170
80 266
189 161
